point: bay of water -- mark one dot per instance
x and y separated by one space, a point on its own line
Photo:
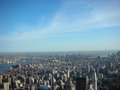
5 66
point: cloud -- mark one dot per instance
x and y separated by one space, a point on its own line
73 16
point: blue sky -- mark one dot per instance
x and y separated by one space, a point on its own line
59 25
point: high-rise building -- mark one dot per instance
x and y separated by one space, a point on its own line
94 81
70 85
68 73
81 83
6 85
1 77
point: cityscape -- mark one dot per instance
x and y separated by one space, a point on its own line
98 70
59 44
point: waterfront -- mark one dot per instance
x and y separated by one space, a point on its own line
65 71
6 66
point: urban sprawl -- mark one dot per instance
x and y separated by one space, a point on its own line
62 71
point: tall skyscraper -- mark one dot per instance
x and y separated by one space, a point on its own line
68 73
70 85
81 83
6 85
94 80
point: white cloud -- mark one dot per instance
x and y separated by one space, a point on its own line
70 18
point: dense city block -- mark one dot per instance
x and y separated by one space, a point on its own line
61 71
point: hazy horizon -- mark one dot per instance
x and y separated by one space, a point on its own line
59 25
70 51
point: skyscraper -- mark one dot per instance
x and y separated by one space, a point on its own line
68 73
81 83
6 85
93 79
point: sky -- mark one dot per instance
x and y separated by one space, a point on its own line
59 25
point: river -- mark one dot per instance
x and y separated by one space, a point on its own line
5 66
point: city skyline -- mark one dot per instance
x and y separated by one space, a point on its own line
64 25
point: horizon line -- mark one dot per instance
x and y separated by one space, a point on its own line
59 51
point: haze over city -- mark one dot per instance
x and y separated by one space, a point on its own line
59 45
59 25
